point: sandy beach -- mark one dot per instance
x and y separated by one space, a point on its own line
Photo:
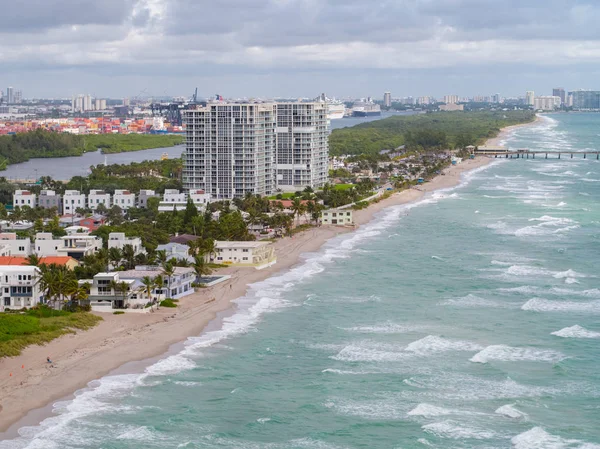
505 131
28 383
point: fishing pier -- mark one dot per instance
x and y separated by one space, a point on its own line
503 152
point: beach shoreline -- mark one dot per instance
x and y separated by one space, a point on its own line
130 342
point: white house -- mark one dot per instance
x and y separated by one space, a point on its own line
178 286
79 244
199 198
337 217
110 291
4 249
46 245
144 196
246 254
18 284
97 197
18 246
124 199
176 251
118 240
172 199
24 198
72 200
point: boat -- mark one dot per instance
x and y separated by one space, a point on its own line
335 110
365 109
164 156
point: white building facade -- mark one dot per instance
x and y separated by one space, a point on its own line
19 287
124 199
118 240
97 197
24 198
230 149
73 200
245 254
18 246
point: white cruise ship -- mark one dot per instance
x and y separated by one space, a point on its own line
336 110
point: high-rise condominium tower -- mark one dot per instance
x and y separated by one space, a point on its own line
529 97
230 149
387 99
302 145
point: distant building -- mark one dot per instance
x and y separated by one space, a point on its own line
496 98
546 103
177 251
246 254
337 217
586 100
24 198
19 246
97 197
73 200
124 199
68 262
175 200
451 99
144 196
530 97
10 96
118 240
559 92
49 199
452 107
387 99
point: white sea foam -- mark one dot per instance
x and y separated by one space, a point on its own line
457 431
142 433
428 410
510 411
527 270
433 344
569 274
576 332
263 420
505 353
538 438
370 352
571 281
171 365
544 305
379 409
471 301
385 328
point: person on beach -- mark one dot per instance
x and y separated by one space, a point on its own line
48 359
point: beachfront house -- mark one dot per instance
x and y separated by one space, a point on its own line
79 244
19 287
177 251
118 240
175 287
246 254
337 217
110 291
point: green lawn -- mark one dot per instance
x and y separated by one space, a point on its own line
39 326
343 186
285 196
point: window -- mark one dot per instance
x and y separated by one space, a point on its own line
29 277
21 248
6 290
20 277
7 301
245 258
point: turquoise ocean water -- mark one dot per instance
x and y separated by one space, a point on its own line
468 320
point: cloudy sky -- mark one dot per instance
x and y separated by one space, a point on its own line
266 48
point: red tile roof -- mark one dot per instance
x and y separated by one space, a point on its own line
15 260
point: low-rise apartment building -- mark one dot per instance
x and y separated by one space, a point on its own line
19 246
78 245
178 286
73 200
124 199
24 198
144 196
49 199
246 254
337 217
97 197
118 240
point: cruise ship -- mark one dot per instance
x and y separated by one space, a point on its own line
336 110
365 109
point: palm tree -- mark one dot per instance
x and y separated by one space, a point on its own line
159 283
33 260
168 271
129 256
149 285
201 267
210 248
298 208
161 257
115 256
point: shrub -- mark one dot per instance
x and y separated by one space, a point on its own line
168 303
118 312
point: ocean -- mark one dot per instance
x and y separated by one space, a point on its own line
470 319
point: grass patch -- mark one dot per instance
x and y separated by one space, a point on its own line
118 312
343 187
216 265
283 196
39 326
301 228
168 303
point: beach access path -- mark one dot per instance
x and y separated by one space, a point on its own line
28 383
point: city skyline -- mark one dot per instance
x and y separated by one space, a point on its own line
278 48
